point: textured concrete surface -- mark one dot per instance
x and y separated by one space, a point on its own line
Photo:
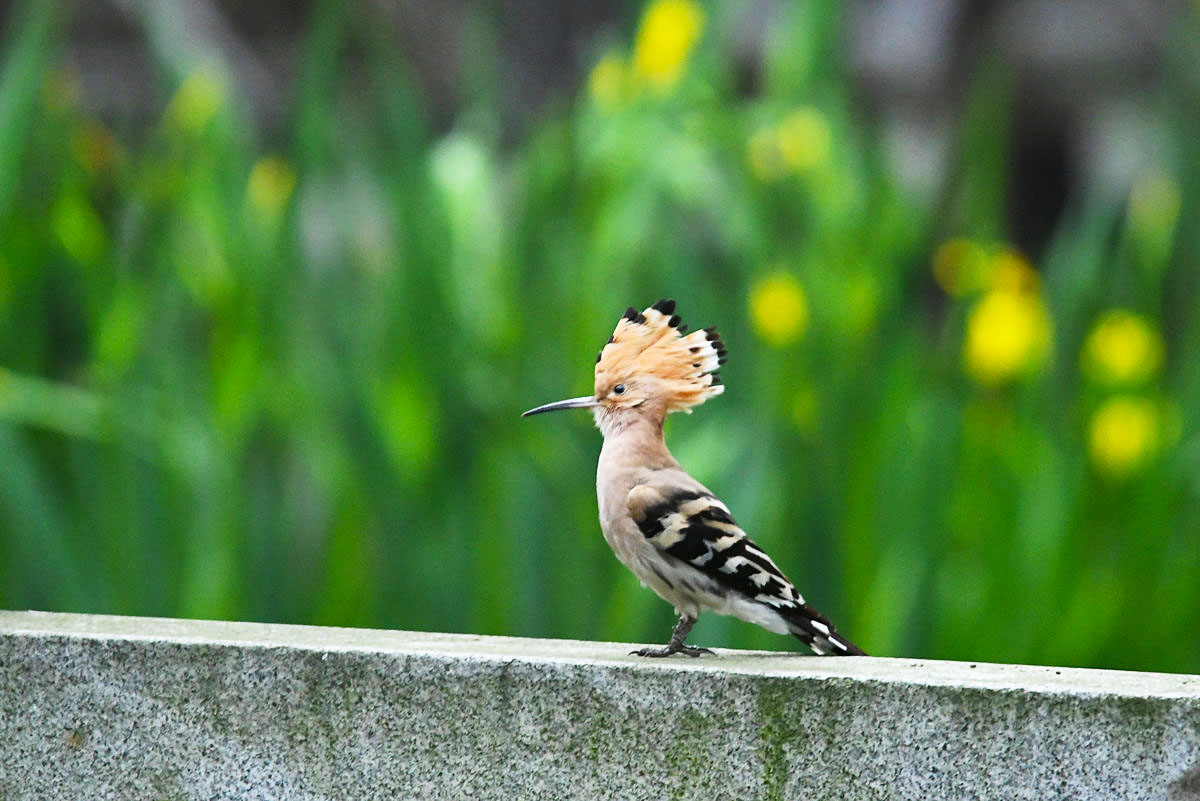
135 708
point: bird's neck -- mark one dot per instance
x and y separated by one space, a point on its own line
633 451
633 438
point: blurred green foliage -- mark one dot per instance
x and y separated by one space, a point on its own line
280 380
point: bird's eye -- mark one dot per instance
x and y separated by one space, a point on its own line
619 389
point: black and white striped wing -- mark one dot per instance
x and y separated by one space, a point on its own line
694 527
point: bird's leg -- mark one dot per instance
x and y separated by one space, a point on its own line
676 645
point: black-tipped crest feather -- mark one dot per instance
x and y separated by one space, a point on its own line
651 348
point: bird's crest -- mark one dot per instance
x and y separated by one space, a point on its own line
652 346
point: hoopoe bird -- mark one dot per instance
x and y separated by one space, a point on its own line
664 525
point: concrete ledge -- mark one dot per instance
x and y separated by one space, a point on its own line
136 708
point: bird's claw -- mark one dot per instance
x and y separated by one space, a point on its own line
689 650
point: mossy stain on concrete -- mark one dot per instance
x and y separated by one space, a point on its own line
685 755
777 725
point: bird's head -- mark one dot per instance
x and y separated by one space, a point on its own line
651 366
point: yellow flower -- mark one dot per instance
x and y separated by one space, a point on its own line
197 101
1123 348
1010 271
799 143
779 309
763 156
270 185
1008 336
1124 433
804 138
960 267
606 84
665 38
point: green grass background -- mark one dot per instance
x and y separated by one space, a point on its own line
211 409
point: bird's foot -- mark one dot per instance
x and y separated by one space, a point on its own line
672 648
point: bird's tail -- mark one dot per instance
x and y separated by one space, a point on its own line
815 631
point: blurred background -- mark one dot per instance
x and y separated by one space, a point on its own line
277 280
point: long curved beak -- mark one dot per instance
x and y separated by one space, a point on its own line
586 402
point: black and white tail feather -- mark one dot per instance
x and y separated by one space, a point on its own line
711 561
